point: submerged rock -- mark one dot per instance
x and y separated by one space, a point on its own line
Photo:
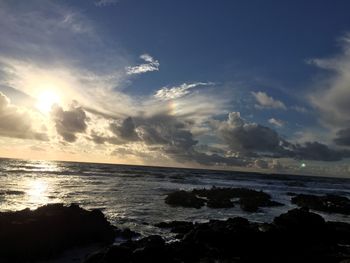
248 199
45 232
326 203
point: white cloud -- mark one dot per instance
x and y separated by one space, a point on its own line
299 109
278 123
16 122
106 2
151 65
266 102
176 92
332 95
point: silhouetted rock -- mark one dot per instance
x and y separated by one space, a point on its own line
43 233
185 199
295 236
326 203
248 199
300 220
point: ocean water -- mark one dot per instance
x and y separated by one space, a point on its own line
133 196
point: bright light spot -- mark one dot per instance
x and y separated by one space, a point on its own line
37 188
303 165
46 100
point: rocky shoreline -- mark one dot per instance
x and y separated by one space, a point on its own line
298 235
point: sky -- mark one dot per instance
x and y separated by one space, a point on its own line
243 85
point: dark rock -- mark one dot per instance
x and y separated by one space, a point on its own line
300 220
185 199
249 200
220 203
126 233
48 230
179 227
326 203
295 236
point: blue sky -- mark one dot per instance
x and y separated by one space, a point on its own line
248 84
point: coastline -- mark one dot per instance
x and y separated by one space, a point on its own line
58 233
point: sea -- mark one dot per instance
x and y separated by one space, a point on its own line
133 196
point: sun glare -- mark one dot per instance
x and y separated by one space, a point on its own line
46 100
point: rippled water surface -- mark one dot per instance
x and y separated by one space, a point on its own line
133 196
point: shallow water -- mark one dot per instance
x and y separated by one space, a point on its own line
133 196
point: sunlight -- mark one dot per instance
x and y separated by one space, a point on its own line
37 189
46 100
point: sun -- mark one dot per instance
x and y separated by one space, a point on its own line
46 100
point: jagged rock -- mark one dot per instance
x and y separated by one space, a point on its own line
326 203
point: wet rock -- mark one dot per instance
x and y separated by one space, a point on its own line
248 199
185 199
179 227
126 233
295 236
45 232
326 203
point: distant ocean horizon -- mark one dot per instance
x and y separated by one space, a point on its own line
133 195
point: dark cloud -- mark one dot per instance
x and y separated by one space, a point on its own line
171 136
69 123
316 151
17 123
246 138
343 137
254 140
125 130
165 134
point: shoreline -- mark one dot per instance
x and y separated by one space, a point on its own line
58 233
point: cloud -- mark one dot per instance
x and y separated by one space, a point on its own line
343 137
248 138
276 122
299 109
16 122
266 102
318 152
331 97
102 3
151 65
164 134
69 123
254 140
125 130
176 92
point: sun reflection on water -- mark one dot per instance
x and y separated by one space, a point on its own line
37 191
